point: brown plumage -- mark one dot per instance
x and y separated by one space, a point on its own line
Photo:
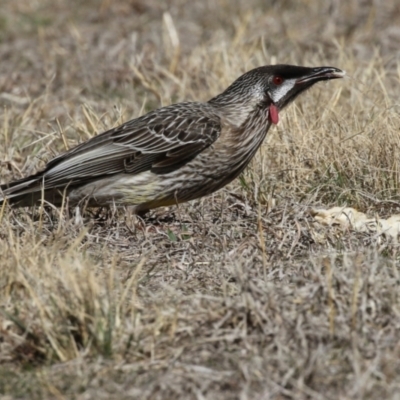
174 154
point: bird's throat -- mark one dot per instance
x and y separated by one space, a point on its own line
273 114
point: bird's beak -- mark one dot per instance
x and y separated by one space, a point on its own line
321 74
307 78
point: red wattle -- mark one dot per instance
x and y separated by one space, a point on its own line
273 114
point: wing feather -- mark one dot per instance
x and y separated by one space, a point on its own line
160 141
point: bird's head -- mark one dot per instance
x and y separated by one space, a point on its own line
272 88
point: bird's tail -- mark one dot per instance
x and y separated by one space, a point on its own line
28 192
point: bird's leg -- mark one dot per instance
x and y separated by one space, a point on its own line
142 213
135 220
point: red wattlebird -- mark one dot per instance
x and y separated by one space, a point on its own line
174 154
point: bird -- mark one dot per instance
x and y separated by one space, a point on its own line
173 154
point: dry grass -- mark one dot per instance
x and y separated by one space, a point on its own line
239 295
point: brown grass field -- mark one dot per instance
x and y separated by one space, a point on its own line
240 295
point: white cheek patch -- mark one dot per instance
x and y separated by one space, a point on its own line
280 91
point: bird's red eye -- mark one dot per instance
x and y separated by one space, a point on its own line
277 80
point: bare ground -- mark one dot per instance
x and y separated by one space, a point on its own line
240 295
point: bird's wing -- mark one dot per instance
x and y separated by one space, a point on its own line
160 141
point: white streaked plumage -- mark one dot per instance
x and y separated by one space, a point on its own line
174 154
